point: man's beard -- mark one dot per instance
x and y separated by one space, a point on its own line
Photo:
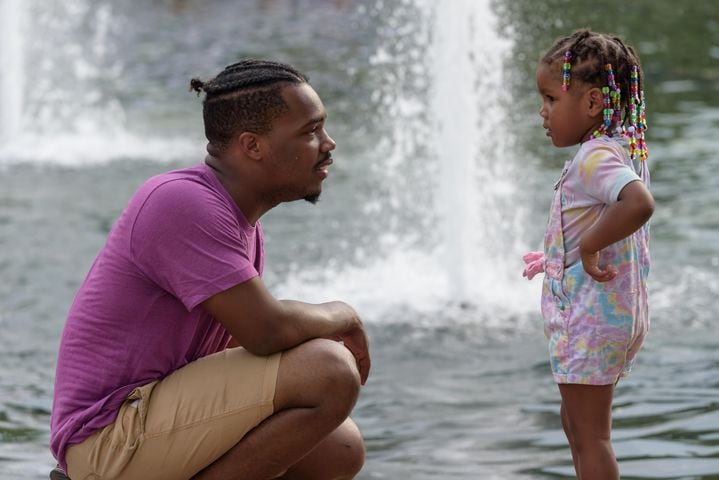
313 198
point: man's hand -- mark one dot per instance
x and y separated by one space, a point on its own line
354 337
356 342
590 262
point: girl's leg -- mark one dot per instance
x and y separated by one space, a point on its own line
568 433
588 410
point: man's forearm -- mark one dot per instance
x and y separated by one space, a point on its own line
304 321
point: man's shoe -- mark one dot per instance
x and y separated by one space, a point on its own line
58 474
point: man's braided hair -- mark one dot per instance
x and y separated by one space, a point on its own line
244 97
591 51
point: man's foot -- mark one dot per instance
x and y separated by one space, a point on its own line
58 474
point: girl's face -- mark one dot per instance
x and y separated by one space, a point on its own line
568 116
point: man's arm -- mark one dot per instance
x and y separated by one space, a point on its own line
264 325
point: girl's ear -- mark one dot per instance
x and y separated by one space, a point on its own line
594 101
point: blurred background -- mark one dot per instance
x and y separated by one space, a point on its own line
442 180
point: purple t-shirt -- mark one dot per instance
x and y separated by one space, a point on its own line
136 317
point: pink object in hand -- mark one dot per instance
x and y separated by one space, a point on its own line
535 264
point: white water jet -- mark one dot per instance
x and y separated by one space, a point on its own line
455 101
72 114
478 197
452 212
12 69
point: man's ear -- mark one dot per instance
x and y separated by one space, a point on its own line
594 101
250 144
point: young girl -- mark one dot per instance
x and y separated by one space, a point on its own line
595 259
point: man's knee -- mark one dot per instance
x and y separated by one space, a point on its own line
321 372
355 448
335 368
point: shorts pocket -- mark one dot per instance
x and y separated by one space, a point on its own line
118 442
555 307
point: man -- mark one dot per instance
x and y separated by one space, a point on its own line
145 385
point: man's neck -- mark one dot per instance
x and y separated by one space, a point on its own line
240 189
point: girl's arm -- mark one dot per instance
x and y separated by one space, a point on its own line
633 209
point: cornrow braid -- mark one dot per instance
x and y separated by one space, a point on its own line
607 62
244 97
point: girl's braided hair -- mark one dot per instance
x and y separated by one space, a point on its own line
607 62
591 51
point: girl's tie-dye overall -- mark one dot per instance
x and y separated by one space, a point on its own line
594 329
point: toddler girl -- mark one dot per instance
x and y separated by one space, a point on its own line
595 259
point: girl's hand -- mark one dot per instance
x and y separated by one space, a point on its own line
590 262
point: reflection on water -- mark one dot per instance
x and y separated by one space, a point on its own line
666 417
494 415
459 390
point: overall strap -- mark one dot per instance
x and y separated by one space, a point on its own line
554 238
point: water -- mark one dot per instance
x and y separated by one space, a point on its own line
12 84
442 177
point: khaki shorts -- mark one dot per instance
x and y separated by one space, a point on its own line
173 428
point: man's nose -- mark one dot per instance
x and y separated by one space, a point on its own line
329 141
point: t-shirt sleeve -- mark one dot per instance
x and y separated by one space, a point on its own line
603 174
188 241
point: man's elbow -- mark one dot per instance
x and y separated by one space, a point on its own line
267 341
262 346
260 349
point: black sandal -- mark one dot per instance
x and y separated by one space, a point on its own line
58 474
